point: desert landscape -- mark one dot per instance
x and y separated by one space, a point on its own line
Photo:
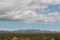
29 19
29 36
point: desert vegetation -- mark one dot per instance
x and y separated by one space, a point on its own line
29 36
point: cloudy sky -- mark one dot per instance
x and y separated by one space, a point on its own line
30 14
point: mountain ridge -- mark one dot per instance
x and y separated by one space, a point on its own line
30 31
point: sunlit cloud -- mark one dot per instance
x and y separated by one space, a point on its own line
18 10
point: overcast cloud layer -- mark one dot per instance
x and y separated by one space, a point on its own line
24 10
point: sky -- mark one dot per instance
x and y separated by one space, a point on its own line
33 14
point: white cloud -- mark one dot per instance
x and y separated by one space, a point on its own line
50 1
24 11
48 18
29 16
7 29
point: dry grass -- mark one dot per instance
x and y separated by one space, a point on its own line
29 36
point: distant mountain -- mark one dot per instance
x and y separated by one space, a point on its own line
30 31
